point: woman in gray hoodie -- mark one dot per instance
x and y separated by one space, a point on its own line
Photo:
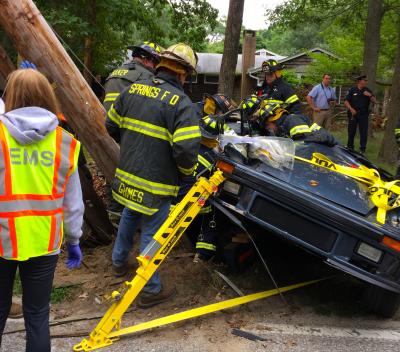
40 200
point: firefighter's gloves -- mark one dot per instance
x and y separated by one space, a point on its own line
27 64
250 104
74 256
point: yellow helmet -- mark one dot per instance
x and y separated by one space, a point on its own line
271 111
179 55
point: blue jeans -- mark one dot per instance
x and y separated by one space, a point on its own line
130 221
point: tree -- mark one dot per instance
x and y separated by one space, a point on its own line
231 47
372 41
388 151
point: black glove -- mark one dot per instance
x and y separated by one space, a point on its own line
321 136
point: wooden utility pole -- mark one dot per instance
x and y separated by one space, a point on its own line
34 40
6 65
248 60
231 47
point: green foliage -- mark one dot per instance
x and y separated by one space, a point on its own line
112 25
60 294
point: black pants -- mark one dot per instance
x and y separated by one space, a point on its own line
37 279
361 119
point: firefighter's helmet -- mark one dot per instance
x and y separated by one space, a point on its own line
271 111
179 58
216 103
146 49
271 66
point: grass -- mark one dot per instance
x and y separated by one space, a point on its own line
58 294
373 147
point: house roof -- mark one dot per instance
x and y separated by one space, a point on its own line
304 53
210 63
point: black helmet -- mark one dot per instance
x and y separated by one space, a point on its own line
215 102
271 66
146 49
209 127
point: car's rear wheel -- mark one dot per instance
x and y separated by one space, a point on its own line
382 302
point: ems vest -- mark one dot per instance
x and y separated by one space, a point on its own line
32 186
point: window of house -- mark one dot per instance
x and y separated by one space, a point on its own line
211 79
194 79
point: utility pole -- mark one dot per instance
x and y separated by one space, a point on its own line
248 60
34 40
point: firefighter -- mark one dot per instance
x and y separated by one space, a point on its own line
145 57
157 126
272 120
275 89
41 199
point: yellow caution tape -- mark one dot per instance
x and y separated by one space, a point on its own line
384 195
211 308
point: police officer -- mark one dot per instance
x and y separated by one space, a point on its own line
357 102
276 90
157 126
145 57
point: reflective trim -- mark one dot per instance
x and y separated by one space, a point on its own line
187 171
113 116
299 129
55 232
205 210
149 186
203 161
5 173
184 133
5 239
208 246
397 131
134 206
111 97
270 101
293 98
315 127
34 205
147 129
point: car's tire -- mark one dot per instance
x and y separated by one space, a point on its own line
382 302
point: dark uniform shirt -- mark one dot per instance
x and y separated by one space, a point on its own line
281 92
158 128
358 100
121 78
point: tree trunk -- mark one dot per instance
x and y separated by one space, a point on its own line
89 43
372 41
34 39
231 47
389 149
6 65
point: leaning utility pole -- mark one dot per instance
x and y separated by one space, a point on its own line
34 40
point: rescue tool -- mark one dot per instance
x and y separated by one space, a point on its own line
109 328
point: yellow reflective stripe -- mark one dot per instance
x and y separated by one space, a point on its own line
315 127
205 210
204 245
203 161
184 133
111 96
149 186
292 99
397 131
187 171
269 101
132 205
113 116
146 128
299 129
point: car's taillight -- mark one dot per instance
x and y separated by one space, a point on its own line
390 242
225 167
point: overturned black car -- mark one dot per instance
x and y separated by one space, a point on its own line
328 213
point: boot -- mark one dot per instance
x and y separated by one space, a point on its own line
148 300
15 311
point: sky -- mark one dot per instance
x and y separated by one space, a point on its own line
253 16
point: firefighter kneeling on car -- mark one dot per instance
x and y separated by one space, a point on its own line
271 119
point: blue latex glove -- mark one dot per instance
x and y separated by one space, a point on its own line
74 256
27 64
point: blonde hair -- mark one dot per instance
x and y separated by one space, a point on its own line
28 87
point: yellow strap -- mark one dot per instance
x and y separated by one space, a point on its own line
215 307
380 191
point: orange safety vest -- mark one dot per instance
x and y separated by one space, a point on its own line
32 186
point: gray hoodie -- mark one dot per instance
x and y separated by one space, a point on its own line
30 125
